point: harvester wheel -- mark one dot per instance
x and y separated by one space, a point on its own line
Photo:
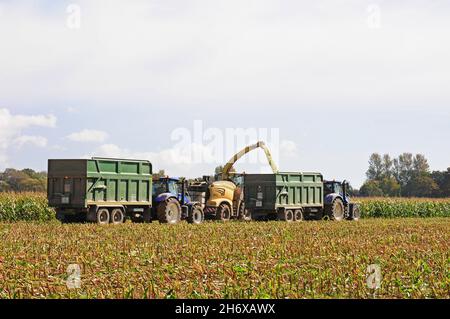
196 215
169 211
287 215
337 210
103 216
223 212
298 215
117 216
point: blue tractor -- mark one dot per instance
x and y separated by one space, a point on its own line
172 203
337 204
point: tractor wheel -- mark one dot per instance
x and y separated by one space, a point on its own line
356 215
117 216
196 215
223 213
103 216
169 211
298 215
337 210
287 215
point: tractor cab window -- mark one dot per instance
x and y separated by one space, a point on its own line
159 187
328 188
173 187
338 188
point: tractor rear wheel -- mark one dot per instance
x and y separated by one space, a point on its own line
196 215
337 210
117 216
298 215
169 211
103 216
223 212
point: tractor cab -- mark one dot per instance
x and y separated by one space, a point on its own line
335 187
337 201
165 185
170 186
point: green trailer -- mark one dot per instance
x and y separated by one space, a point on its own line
100 190
283 196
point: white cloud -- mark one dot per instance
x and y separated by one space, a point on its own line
94 136
268 51
37 141
11 127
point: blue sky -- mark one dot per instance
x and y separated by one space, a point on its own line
337 80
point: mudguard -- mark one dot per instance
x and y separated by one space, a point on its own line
163 197
330 198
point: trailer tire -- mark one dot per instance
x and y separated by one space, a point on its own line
196 215
337 210
223 212
298 215
103 216
117 216
245 214
169 211
286 215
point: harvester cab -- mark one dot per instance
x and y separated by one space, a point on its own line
172 202
338 205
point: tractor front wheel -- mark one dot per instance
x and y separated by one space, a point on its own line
195 215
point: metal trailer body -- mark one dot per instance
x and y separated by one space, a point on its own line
79 189
285 195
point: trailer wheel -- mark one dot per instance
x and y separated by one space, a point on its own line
117 216
169 211
195 215
103 216
223 212
286 215
298 215
244 214
337 210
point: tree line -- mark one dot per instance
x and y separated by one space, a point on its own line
407 175
26 180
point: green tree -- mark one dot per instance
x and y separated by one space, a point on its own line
390 186
421 186
387 166
371 188
403 168
375 170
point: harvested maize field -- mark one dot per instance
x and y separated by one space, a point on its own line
316 259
